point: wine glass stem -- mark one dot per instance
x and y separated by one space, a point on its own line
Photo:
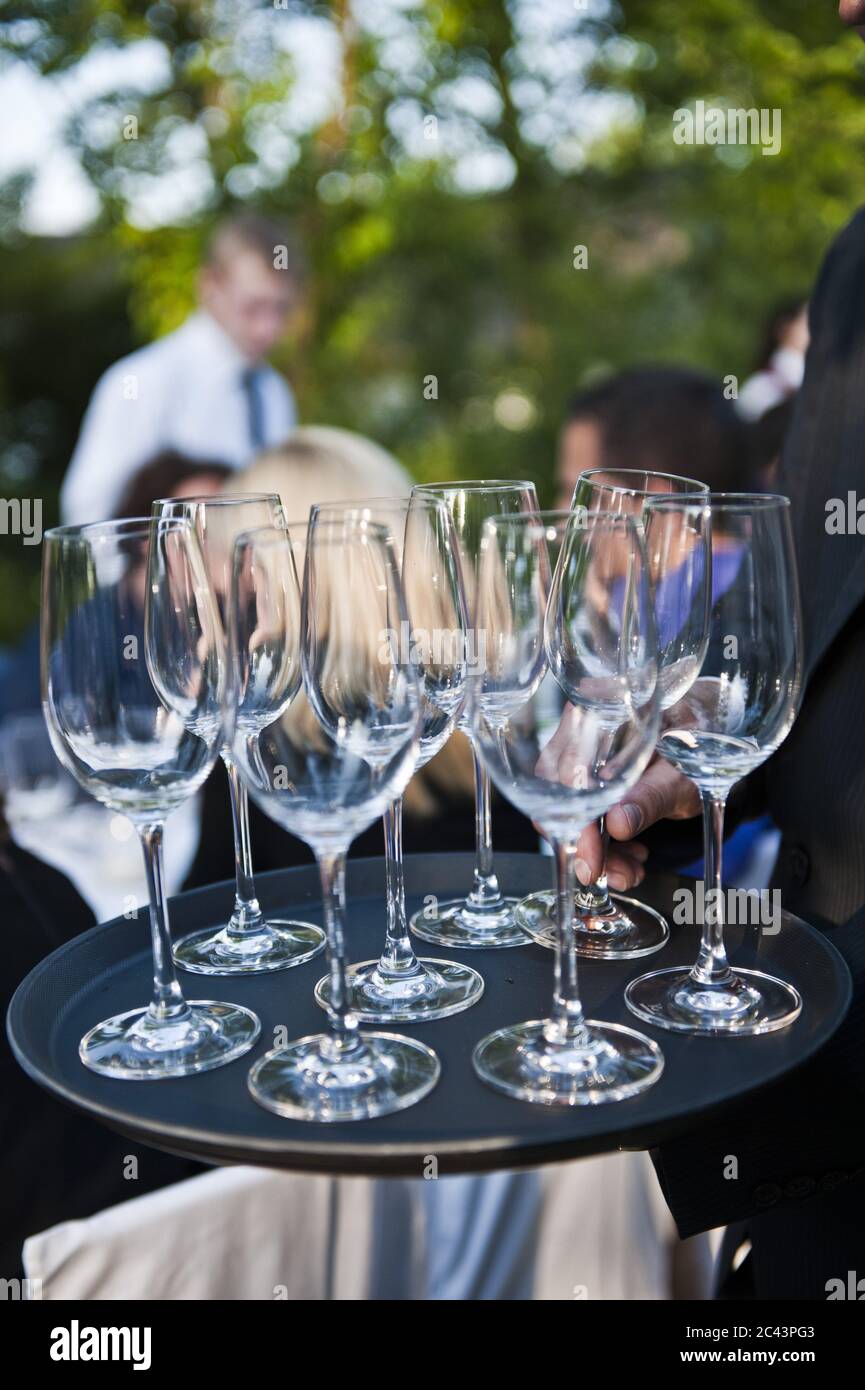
712 967
398 957
485 892
567 1024
246 917
168 1001
344 1037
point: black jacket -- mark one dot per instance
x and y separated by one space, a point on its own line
801 1143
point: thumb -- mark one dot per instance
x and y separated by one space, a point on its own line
590 855
661 793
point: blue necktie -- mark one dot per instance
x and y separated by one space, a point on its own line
252 384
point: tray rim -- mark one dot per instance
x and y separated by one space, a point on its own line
345 1157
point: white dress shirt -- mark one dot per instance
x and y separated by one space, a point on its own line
186 392
768 388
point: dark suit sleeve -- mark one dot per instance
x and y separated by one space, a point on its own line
804 1136
795 1139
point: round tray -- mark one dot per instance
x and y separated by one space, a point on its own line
462 1125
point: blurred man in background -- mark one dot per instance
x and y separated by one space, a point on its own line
665 419
204 390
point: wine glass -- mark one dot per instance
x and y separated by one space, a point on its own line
132 677
398 987
485 917
342 749
612 926
571 594
249 943
737 712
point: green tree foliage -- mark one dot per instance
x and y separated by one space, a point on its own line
440 190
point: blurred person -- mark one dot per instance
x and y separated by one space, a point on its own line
315 464
668 420
168 474
780 363
171 474
81 839
321 463
205 389
662 419
796 1214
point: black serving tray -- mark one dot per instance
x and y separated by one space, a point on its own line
464 1125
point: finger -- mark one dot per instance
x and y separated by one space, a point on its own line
624 873
590 855
623 866
621 860
661 793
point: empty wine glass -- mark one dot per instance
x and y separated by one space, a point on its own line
132 676
341 750
570 594
398 987
249 943
740 708
611 926
485 917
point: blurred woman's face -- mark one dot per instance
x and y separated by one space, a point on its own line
579 449
199 485
852 12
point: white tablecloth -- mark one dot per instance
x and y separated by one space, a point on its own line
596 1229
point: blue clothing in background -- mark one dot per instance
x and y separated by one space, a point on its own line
19 676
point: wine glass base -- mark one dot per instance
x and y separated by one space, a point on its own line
636 931
748 1004
279 945
437 990
133 1047
455 925
610 1063
385 1073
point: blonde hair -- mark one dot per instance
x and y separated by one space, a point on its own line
319 463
